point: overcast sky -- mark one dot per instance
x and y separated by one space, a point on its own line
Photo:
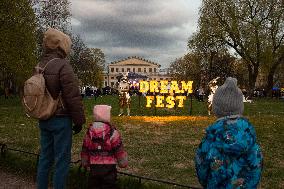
156 30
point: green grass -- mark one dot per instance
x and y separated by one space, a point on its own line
159 147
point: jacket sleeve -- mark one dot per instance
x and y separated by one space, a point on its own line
71 94
85 156
255 163
118 149
202 165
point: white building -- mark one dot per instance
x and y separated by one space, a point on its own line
136 65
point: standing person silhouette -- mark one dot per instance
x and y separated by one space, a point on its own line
56 132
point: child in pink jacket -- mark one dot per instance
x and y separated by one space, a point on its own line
102 150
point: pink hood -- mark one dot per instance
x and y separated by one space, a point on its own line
101 113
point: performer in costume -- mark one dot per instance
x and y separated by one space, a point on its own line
124 97
213 87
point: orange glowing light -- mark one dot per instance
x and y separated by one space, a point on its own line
154 119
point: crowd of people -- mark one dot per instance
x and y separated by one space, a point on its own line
227 157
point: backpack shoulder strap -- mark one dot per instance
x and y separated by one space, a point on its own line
38 67
49 62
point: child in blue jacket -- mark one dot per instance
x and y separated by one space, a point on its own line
228 156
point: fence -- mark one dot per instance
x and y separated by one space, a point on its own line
4 149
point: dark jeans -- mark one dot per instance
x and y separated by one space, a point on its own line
55 142
103 177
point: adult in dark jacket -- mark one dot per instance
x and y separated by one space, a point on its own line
56 132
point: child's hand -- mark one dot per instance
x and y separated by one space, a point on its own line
122 163
85 163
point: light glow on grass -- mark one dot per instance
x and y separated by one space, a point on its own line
168 118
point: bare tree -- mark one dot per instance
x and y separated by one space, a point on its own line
93 68
51 13
187 68
88 63
253 28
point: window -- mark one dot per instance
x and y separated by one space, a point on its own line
112 77
105 83
128 69
139 69
144 70
112 69
150 69
117 70
112 84
161 78
155 70
133 69
154 78
166 79
122 69
105 77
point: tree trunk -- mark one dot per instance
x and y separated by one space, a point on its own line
253 72
269 84
271 73
211 65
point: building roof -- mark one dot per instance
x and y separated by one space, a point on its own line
141 60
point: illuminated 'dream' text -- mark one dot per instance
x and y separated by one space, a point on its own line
164 87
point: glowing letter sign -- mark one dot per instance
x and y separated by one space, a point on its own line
164 87
144 86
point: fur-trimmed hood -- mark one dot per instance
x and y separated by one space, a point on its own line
54 39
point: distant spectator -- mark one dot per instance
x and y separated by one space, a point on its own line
6 92
263 93
201 94
88 92
228 156
99 92
196 94
244 91
82 91
276 92
96 92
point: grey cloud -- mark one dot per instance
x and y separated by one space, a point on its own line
134 27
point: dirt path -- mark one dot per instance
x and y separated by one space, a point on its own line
12 181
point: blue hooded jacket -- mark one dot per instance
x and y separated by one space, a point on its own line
228 156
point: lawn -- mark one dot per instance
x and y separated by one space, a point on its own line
160 147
